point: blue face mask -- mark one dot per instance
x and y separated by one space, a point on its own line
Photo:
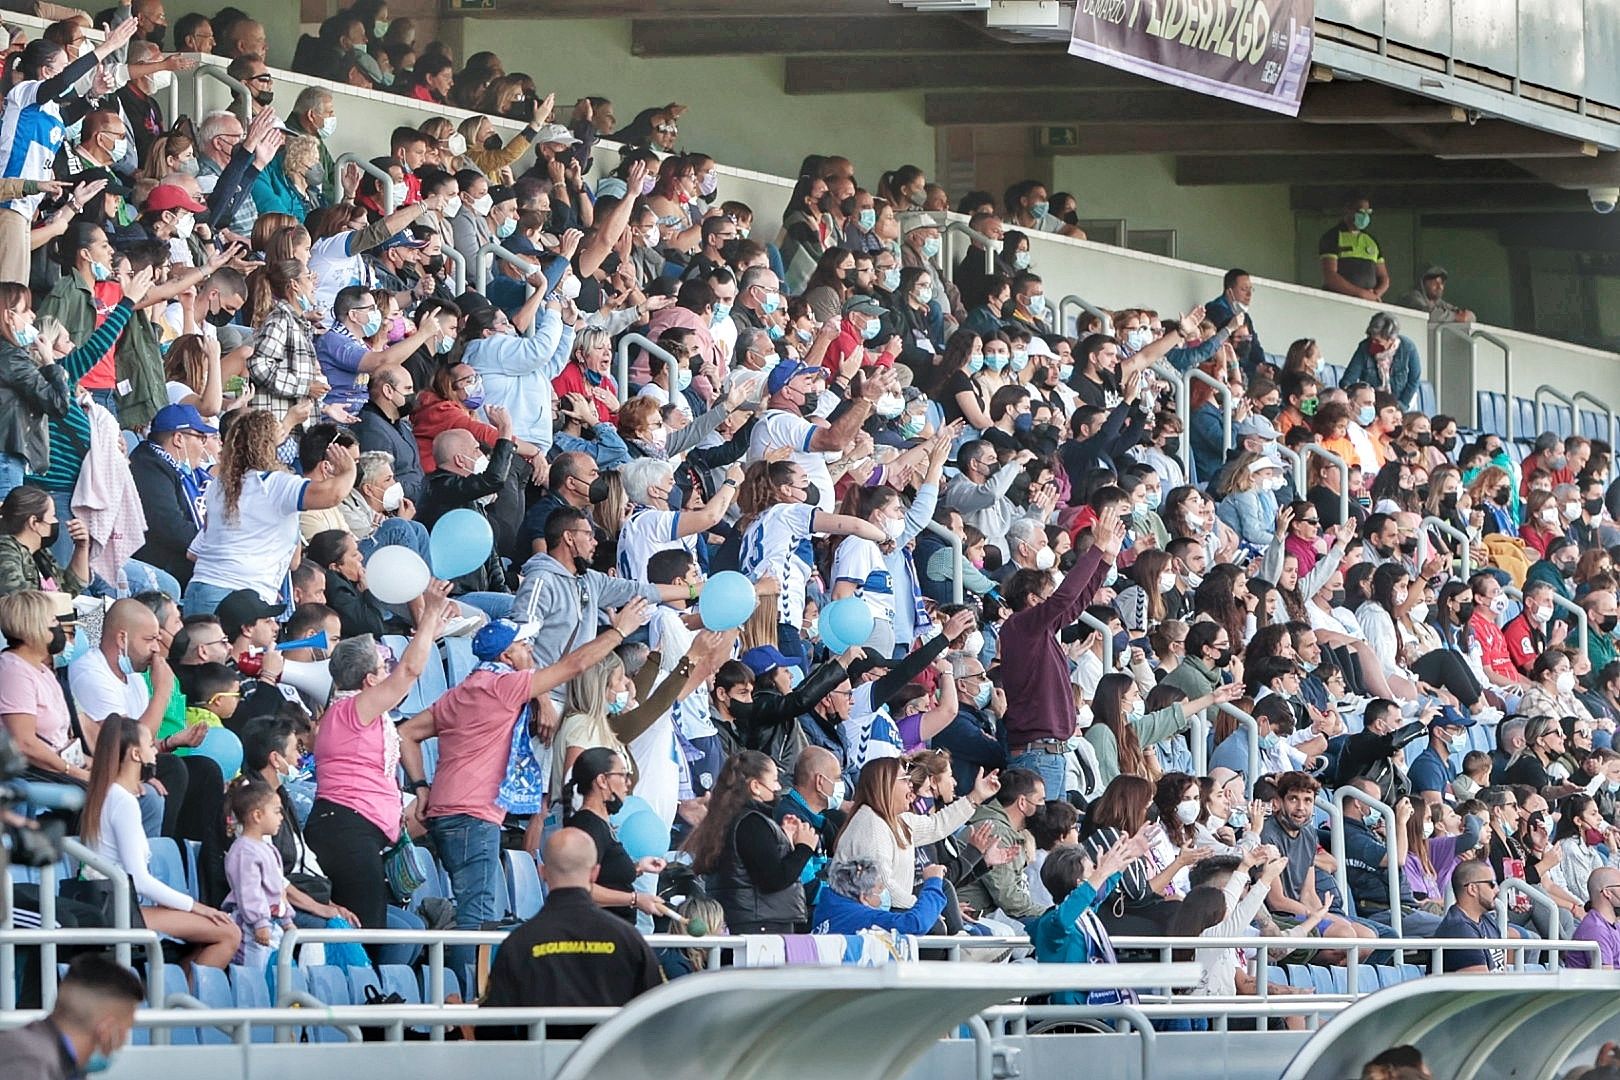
1153 498
1366 415
1459 743
770 304
1239 819
885 899
1268 742
872 329
1040 210
804 335
1138 339
912 426
683 378
124 665
619 703
1021 260
506 228
1025 422
995 361
100 271
795 676
982 697
776 333
98 1063
373 323
1020 360
975 363
304 302
930 247
891 278
722 312
1372 819
27 335
444 345
867 220
75 649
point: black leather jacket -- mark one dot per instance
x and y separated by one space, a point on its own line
29 394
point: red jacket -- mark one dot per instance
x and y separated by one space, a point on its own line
434 415
571 380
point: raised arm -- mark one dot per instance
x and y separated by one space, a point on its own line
373 701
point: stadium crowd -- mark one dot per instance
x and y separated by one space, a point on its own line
236 380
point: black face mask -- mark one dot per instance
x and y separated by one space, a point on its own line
52 536
1270 412
58 641
1593 507
1446 446
599 490
434 266
613 804
812 494
408 406
1448 502
219 318
264 97
811 400
1409 546
740 710
492 143
1224 658
1607 623
1465 611
155 35
148 771
1384 551
1500 496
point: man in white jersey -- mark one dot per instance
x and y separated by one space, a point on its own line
783 424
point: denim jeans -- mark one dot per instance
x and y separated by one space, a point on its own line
497 605
202 598
12 470
1049 767
144 577
470 850
397 532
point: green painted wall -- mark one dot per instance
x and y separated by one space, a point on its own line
737 108
1245 225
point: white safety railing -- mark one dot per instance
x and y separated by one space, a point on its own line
1318 450
1392 867
1087 306
1576 613
1465 545
622 360
390 192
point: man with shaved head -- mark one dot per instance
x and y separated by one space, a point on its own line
573 953
1599 925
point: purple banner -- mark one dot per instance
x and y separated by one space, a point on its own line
1255 52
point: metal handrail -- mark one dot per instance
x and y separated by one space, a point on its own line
956 228
622 365
1087 619
1555 929
241 97
1085 305
1608 432
1392 869
1464 544
458 262
1552 392
1475 335
481 268
1582 624
1252 726
51 937
1297 463
389 191
1171 375
1317 449
959 560
1223 393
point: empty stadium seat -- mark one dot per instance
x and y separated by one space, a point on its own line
1524 419
168 865
1492 409
523 884
192 853
1557 418
250 990
1427 402
331 986
430 758
360 980
458 658
429 686
1330 374
452 983
1592 424
400 979
214 991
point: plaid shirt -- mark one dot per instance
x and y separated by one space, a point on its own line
283 360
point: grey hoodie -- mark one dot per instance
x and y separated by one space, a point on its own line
557 599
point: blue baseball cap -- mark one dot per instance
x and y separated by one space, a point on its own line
498 636
763 658
181 418
786 371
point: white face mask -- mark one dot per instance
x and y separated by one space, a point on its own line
1045 559
1419 612
480 463
1572 510
569 289
1167 581
392 497
973 644
1566 681
1549 514
1187 811
161 80
183 224
894 528
458 146
483 205
1543 613
452 206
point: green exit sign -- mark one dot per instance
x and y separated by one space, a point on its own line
1061 136
472 5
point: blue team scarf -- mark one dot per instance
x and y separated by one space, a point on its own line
523 788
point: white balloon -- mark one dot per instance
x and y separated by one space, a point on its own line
396 575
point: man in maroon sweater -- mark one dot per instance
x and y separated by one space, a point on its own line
1040 714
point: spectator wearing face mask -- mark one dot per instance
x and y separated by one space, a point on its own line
1248 498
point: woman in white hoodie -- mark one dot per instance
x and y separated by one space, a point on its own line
881 829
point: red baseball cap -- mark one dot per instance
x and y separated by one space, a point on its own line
172 197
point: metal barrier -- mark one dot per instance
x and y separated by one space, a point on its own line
1464 544
958 560
1392 869
48 938
1540 416
1538 899
1296 463
1169 374
947 250
117 881
1252 726
1086 306
481 269
1020 1015
1318 450
458 263
241 97
1090 621
1474 336
622 365
389 192
1608 430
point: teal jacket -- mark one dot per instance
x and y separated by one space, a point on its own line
1058 938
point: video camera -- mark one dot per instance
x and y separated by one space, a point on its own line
26 841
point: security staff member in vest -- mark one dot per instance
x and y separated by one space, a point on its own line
1351 262
573 953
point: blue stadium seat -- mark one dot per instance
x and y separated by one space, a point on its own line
360 979
1591 424
168 865
1492 408
1427 402
175 982
427 689
1384 973
1330 374
430 758
1524 419
433 880
1300 975
400 979
1340 978
452 983
331 986
1557 418
523 884
1410 972
1322 979
250 990
459 658
192 853
214 991
1276 974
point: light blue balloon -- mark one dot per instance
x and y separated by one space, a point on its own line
459 543
644 834
633 804
224 747
727 601
845 624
